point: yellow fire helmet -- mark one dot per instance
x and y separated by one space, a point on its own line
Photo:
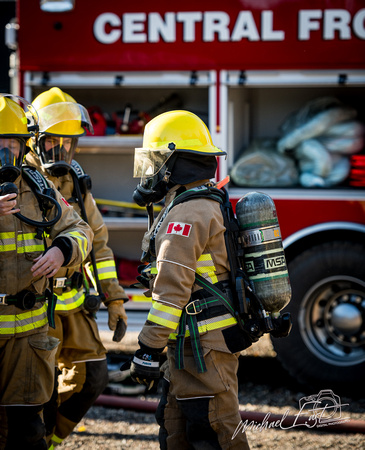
180 131
60 115
13 119
18 122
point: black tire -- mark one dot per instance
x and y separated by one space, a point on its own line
326 347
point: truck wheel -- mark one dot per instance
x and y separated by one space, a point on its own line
326 347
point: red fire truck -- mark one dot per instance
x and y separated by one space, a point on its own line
243 66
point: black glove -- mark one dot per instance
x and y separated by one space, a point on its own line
282 326
254 328
145 366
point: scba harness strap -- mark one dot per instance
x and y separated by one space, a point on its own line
83 178
213 302
43 193
214 299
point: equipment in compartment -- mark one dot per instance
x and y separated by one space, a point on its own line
262 165
318 138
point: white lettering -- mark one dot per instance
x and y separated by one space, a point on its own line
308 21
157 27
154 27
359 24
133 25
189 20
245 27
99 28
215 22
267 31
336 20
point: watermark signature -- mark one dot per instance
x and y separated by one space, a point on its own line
315 411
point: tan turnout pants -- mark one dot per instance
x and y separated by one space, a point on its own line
200 410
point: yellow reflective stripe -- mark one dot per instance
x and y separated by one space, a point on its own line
7 248
160 321
70 300
57 439
168 312
7 242
217 322
31 248
158 306
210 324
26 242
7 235
20 323
205 267
140 298
81 241
167 316
106 269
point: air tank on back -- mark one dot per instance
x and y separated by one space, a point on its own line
264 257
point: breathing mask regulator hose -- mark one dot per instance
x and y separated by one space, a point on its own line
11 188
91 302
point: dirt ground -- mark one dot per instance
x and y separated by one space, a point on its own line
266 391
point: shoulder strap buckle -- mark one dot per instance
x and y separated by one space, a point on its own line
195 307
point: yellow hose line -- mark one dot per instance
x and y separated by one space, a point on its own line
120 204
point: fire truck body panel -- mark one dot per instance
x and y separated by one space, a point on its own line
243 66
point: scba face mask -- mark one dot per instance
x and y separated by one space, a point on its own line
151 190
56 153
153 167
12 151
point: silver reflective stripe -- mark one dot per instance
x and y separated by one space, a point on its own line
70 300
25 242
11 324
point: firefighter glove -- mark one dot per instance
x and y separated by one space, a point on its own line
254 328
117 319
145 366
282 325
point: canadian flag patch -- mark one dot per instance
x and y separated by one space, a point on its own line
183 229
65 202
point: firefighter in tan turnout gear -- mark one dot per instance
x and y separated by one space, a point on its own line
40 235
199 406
81 355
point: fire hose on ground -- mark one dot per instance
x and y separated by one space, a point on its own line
258 419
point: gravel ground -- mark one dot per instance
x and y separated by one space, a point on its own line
111 428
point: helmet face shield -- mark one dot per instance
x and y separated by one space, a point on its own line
64 119
53 149
12 151
147 163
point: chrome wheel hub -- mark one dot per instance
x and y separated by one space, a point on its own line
332 320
